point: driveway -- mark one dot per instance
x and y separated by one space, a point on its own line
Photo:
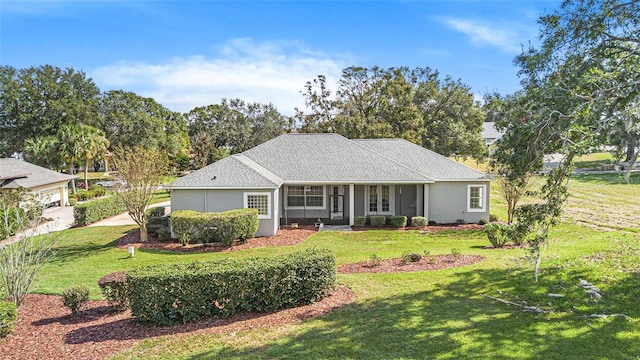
61 219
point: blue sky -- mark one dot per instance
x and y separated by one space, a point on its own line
194 53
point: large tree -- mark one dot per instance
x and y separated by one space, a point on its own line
35 102
581 86
414 104
140 171
233 126
129 120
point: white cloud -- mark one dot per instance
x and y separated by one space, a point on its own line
506 36
266 72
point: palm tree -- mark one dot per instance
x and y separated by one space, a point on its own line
92 144
69 148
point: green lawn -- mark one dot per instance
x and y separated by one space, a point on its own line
439 314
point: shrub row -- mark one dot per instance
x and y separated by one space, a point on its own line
377 220
8 316
208 227
95 192
96 210
170 293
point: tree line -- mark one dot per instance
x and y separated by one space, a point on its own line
59 116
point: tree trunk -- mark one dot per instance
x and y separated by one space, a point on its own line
73 181
631 149
143 233
86 174
510 207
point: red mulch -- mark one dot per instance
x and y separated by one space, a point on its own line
433 262
46 330
284 237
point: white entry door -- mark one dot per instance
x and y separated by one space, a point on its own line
379 200
337 201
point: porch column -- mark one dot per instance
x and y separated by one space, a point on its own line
425 201
351 204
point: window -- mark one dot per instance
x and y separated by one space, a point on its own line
305 196
476 201
260 202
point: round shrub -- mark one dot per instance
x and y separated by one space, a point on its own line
419 221
398 221
75 298
360 221
8 317
114 289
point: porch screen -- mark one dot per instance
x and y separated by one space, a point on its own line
305 196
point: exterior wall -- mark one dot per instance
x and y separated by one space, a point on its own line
223 200
53 193
448 202
359 200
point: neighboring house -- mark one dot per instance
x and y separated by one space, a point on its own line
489 133
49 186
303 177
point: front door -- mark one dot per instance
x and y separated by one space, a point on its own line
337 201
379 200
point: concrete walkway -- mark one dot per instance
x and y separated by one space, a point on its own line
335 228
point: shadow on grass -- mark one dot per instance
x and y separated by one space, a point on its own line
607 178
70 251
454 320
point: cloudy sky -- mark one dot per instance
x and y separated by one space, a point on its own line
194 53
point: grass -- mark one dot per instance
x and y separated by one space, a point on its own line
439 314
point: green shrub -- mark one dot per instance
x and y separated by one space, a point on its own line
159 225
208 227
460 222
73 201
408 257
155 212
432 223
75 298
170 293
8 317
114 289
92 211
398 221
497 234
419 221
375 260
360 221
378 220
493 218
482 222
456 253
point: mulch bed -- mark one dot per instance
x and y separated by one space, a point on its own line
432 262
46 330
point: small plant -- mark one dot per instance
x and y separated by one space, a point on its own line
375 260
432 223
419 221
75 298
456 253
398 221
493 218
408 257
460 222
378 220
482 222
426 252
73 201
360 220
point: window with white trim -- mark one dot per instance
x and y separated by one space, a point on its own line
306 196
260 201
476 198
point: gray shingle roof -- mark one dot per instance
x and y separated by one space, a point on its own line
427 162
17 173
236 171
327 158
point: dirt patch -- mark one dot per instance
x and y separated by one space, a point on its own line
46 330
432 262
284 237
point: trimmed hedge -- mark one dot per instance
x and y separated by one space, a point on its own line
378 220
92 211
170 293
398 221
8 316
419 221
360 221
208 227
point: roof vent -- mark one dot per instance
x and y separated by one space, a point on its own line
214 177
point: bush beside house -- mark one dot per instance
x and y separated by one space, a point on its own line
209 227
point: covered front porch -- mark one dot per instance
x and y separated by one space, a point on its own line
339 204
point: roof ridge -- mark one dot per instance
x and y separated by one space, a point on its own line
259 169
390 159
